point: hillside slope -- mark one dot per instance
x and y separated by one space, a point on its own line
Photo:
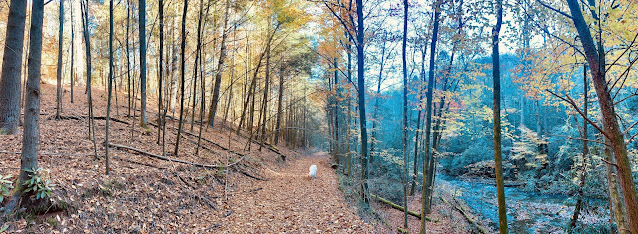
258 193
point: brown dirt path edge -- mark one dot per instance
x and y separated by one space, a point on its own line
291 202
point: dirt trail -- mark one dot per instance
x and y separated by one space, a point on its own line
291 202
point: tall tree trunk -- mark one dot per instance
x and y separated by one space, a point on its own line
142 27
203 91
58 111
614 195
280 98
405 113
220 68
12 68
595 60
87 43
72 53
337 108
110 88
375 112
160 72
128 56
496 73
183 77
31 133
418 123
425 201
579 202
253 83
362 103
197 54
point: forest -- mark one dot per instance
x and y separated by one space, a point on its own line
334 116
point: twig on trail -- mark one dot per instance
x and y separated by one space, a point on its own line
213 227
255 190
174 160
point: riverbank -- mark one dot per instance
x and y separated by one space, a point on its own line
528 212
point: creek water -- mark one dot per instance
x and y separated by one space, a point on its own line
528 212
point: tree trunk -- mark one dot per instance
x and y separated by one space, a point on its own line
31 134
428 156
279 102
375 113
613 133
110 88
579 202
496 72
183 77
220 68
12 68
405 113
72 53
160 73
58 111
362 103
87 43
142 27
196 67
128 55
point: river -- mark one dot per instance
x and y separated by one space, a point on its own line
528 212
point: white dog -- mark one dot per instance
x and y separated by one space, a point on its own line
313 171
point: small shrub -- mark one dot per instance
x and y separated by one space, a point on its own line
38 183
5 186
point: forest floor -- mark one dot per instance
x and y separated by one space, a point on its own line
249 191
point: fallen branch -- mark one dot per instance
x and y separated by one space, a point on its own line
266 144
215 144
174 160
48 153
86 117
255 190
252 176
398 207
204 139
138 163
467 217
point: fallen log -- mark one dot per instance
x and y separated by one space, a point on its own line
174 160
266 144
86 117
398 207
212 142
467 217
204 139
